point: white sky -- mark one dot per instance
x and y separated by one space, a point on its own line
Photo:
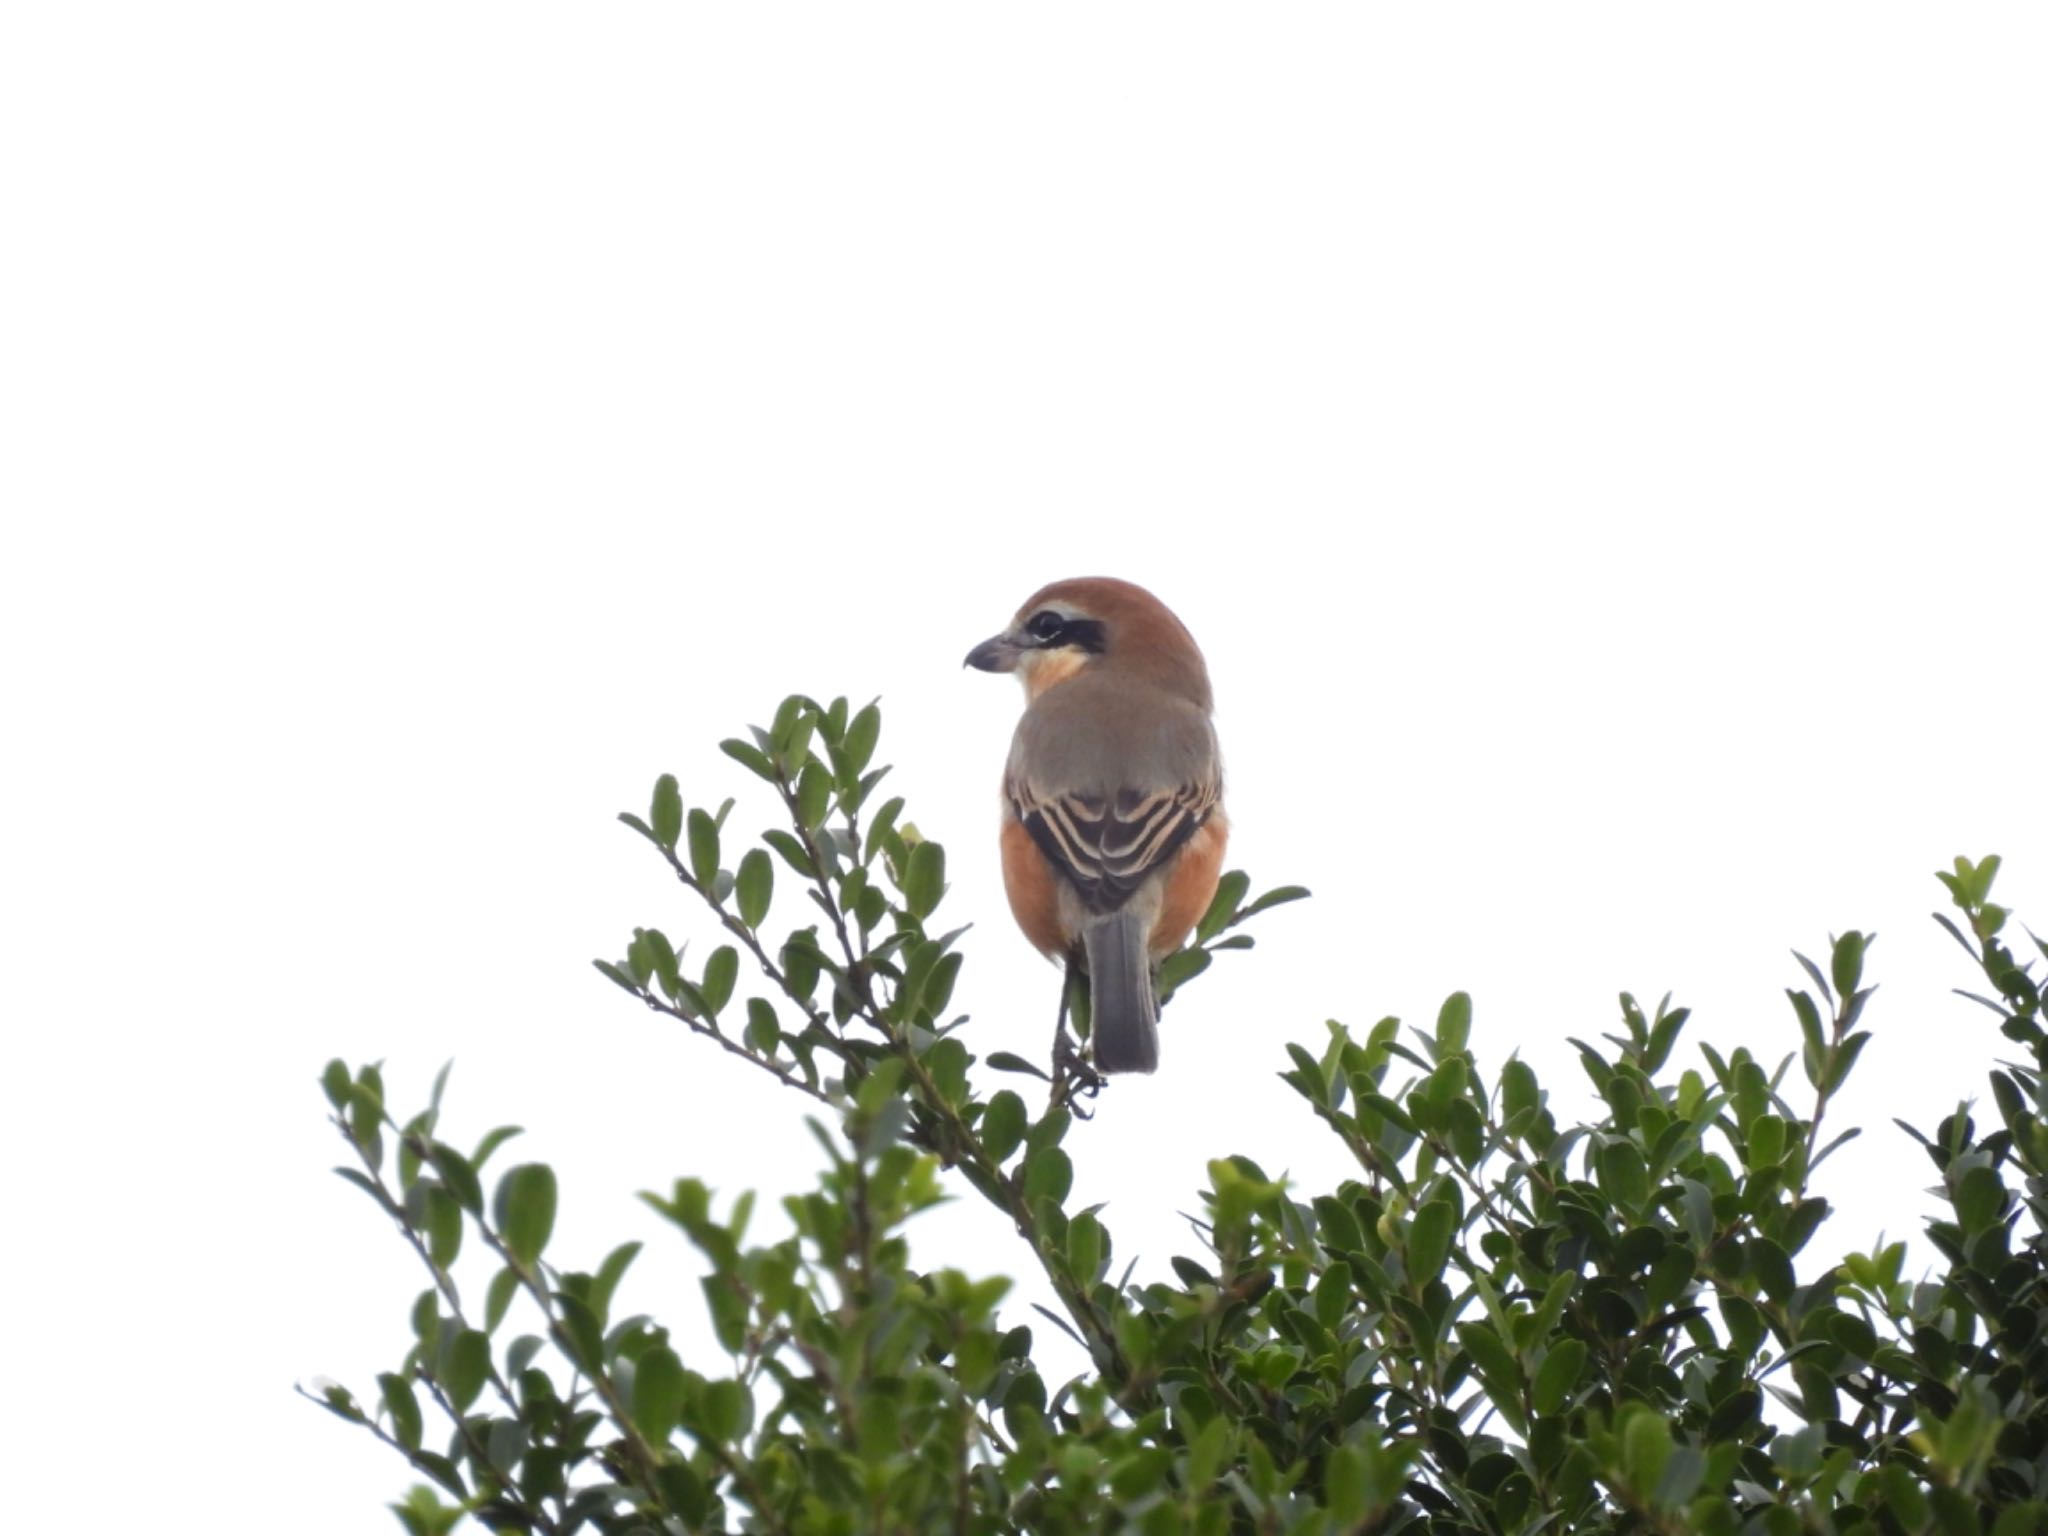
1601 450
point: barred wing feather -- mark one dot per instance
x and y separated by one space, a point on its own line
1109 845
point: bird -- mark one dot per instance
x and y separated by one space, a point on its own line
1113 827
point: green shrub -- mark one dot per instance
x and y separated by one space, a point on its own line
1497 1325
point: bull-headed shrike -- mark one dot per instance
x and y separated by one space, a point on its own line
1113 825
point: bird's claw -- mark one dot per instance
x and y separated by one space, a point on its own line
1074 1076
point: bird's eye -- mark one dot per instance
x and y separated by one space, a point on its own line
1046 626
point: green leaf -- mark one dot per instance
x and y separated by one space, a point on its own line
659 1386
1683 1470
764 1030
1903 1495
881 827
617 975
1622 1174
1208 1454
862 732
335 1082
492 1140
459 1175
1050 1130
1180 968
1979 1199
831 720
924 879
1955 1514
1230 893
652 951
404 1409
813 796
583 1338
1333 1293
366 1120
1009 1061
521 1353
1663 1035
725 1406
1278 896
409 1153
1766 1143
1519 1092
1429 1241
1735 1413
789 736
870 908
1048 1175
1845 1060
1339 1226
728 1308
800 965
1744 1322
1981 878
498 1300
1847 963
1497 1365
752 758
444 1227
442 1471
755 886
1646 1446
467 1368
1307 1077
947 1062
1344 1487
703 846
1453 1024
524 1207
665 812
1135 1476
1854 1334
1819 981
1086 1247
340 1402
721 973
426 1316
792 851
1002 1126
422 1513
1191 1274
609 1273
1558 1375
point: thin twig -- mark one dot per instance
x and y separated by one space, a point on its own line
539 1516
819 882
443 1281
749 940
773 1068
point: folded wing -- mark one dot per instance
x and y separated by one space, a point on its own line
1108 845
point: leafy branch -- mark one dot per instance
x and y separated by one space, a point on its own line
1495 1322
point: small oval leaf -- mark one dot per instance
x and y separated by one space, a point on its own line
755 886
524 1207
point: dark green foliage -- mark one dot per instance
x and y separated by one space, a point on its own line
1497 1324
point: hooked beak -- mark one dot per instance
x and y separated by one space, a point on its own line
999 653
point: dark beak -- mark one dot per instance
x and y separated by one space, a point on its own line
997 654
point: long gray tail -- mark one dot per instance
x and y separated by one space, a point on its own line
1126 1013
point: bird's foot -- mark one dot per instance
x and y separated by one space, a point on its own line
1074 1076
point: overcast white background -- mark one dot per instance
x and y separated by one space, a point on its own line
1601 450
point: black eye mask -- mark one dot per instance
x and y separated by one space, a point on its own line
1051 631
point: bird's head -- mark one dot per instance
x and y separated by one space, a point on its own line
1096 622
